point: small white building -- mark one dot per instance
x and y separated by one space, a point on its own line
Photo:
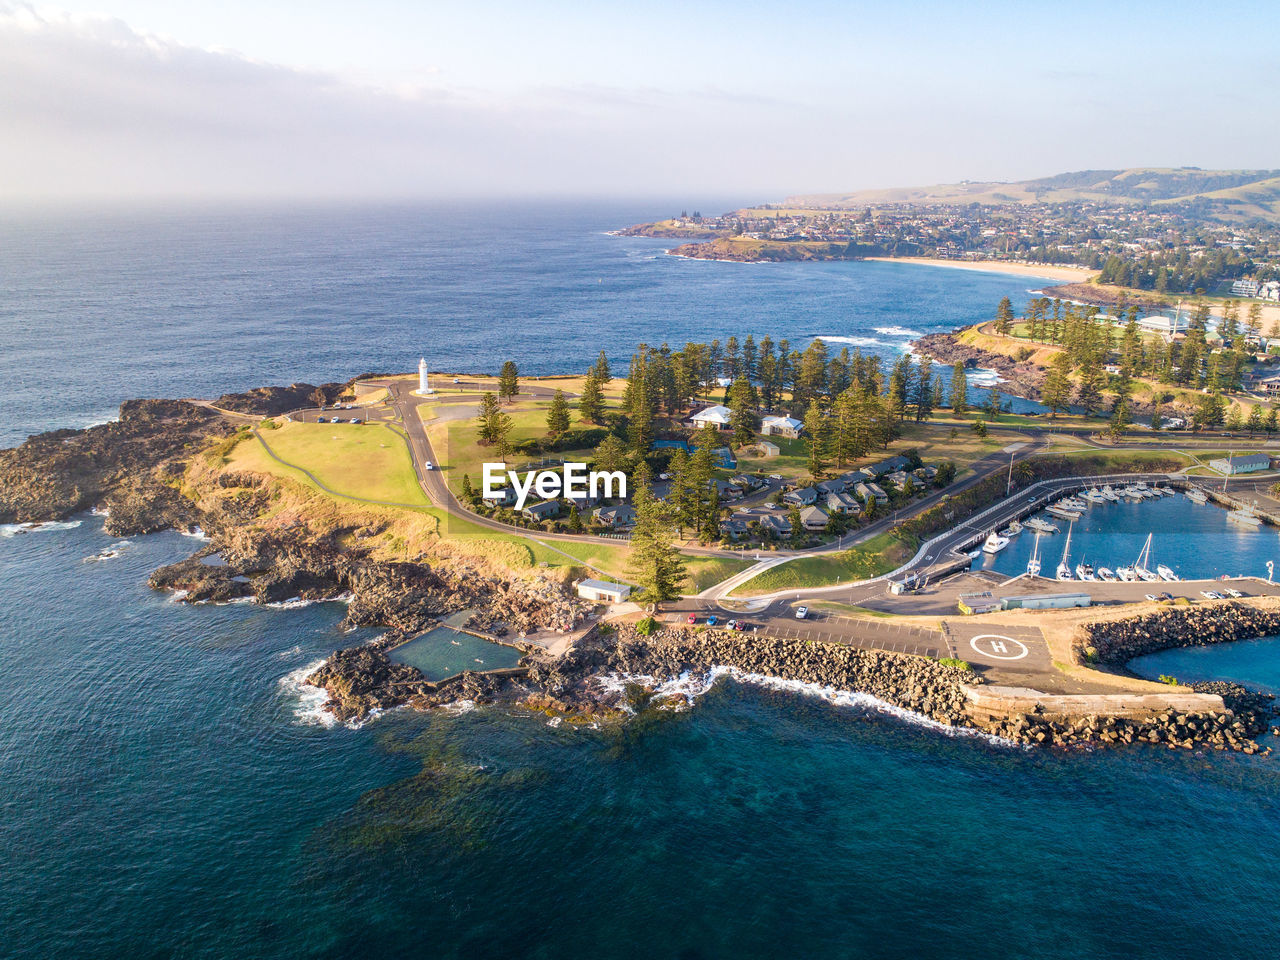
600 591
1250 463
1166 326
718 416
781 427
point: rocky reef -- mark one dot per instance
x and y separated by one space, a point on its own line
1024 380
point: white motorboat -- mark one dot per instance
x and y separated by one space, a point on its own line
1245 517
994 543
1107 575
1109 494
1073 503
1166 573
1033 565
1041 526
1085 572
1094 495
1012 530
1196 495
1062 513
1126 574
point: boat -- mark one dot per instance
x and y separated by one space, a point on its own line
1108 494
1085 572
1094 495
1166 573
1014 528
1126 574
1033 565
994 543
1196 495
1062 513
1064 565
1041 526
1107 575
1140 565
1073 503
1245 517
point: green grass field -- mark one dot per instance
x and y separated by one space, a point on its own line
877 556
360 461
704 572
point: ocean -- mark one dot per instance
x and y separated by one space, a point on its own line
168 789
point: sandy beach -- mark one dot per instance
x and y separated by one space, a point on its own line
1045 271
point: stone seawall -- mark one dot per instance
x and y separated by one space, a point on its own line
1118 641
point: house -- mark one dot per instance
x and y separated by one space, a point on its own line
547 510
1250 463
781 427
1269 385
1244 288
735 528
746 482
899 478
867 492
618 517
888 466
843 503
832 486
768 449
725 490
801 497
1163 325
503 498
776 524
927 472
599 591
813 518
853 478
717 416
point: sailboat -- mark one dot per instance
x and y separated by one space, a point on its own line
1245 517
1144 558
1033 565
1166 573
1064 565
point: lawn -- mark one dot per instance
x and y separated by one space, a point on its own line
879 555
359 461
704 572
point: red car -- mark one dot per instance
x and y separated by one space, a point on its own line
740 625
693 618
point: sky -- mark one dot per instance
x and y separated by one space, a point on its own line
125 99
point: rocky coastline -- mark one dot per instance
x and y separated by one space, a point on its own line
141 467
1019 379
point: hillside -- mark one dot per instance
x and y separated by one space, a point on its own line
1229 194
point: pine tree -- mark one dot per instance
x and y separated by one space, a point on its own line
557 417
656 564
611 455
591 403
486 417
924 389
741 418
601 369
1004 316
815 428
469 494
1255 422
1057 385
1271 424
508 382
959 390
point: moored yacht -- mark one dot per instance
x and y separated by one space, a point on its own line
994 543
1108 494
1126 574
1196 495
1245 517
1064 565
1041 526
1107 575
1063 513
1166 573
1085 572
1094 495
1033 565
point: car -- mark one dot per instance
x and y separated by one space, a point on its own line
1210 595
802 613
1152 597
775 476
1164 596
691 619
731 625
457 379
712 620
428 465
322 419
664 476
740 625
1234 593
354 420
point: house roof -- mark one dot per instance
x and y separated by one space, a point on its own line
791 423
716 414
546 507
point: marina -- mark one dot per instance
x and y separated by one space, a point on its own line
1152 536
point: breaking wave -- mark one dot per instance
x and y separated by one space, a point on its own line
898 332
48 526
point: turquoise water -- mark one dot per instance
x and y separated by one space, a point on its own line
1196 540
167 789
444 652
1255 663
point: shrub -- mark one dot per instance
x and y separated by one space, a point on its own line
955 662
646 626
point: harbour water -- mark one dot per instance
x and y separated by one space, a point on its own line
168 788
1196 541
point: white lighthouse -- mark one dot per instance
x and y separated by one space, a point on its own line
424 387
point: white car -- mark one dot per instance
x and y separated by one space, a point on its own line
802 612
428 465
1209 595
1152 597
1233 592
775 476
